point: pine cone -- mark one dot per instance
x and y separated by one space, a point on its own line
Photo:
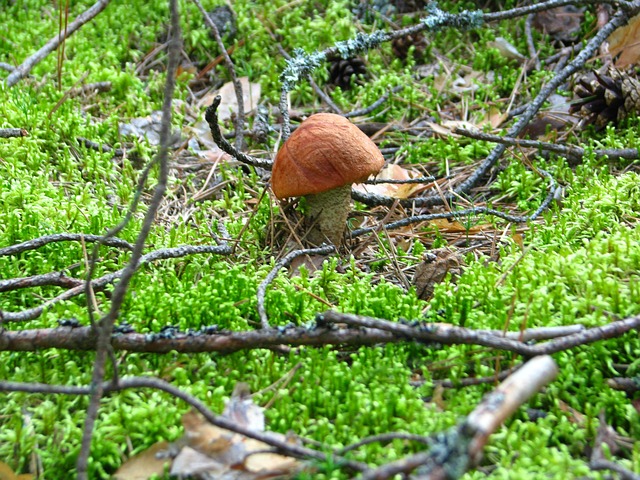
609 98
341 71
401 45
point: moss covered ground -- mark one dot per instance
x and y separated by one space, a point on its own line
579 263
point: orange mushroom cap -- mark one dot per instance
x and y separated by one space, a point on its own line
325 152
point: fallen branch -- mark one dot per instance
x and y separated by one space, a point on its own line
453 453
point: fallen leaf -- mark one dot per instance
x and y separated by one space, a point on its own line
625 41
144 464
434 268
445 225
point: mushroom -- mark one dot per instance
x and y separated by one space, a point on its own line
320 160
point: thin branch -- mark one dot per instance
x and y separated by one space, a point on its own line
448 334
280 264
22 70
57 279
367 331
63 237
566 150
106 324
162 254
454 452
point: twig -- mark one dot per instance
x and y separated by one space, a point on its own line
106 324
162 254
284 447
237 86
467 382
629 385
6 66
101 147
63 237
454 452
566 150
282 263
531 46
448 334
13 132
90 88
25 67
58 279
211 116
367 331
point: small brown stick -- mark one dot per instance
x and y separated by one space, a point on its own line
25 67
282 263
13 132
63 237
284 447
567 150
237 86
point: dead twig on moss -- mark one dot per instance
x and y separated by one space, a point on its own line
22 70
211 116
105 326
570 151
453 453
63 237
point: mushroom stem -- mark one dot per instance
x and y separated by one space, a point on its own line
326 216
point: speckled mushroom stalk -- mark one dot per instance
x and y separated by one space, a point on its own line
323 157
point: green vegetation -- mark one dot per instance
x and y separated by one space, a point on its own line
580 264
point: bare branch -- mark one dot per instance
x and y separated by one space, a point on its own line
63 237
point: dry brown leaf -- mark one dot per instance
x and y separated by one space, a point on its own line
143 465
203 436
434 268
625 41
574 415
267 461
